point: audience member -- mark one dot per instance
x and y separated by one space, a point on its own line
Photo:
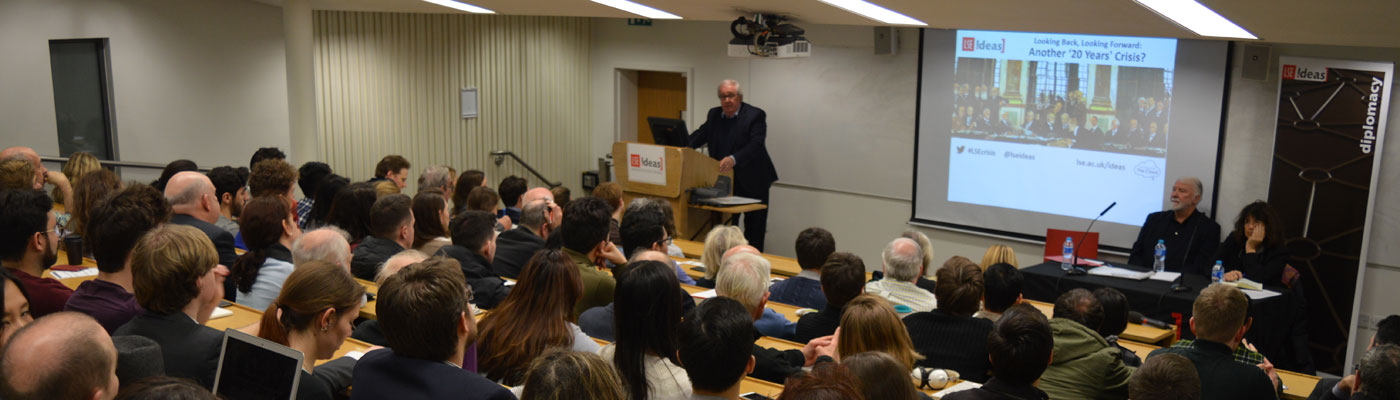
511 189
78 166
999 254
1003 290
598 322
538 220
949 336
870 324
192 202
269 230
430 232
311 175
118 222
771 323
16 173
352 209
1020 347
391 229
178 281
229 191
1255 250
41 175
313 314
174 167
1219 320
717 242
437 177
274 178
369 331
535 317
470 179
325 196
745 278
829 381
814 245
29 245
585 240
62 356
645 226
565 375
485 199
843 278
87 191
428 323
881 376
392 168
164 388
386 187
1085 366
1387 332
1115 321
611 192
902 260
1165 377
1379 374
648 310
711 343
926 269
327 244
473 246
15 302
561 195
264 154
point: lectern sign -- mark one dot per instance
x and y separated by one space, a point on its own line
646 163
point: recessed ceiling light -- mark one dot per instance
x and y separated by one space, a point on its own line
638 9
872 11
1196 18
461 6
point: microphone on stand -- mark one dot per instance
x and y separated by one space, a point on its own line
1074 262
1134 316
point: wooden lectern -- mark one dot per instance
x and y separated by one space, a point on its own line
682 167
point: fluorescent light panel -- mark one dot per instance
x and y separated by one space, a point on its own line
461 6
1197 18
638 9
875 12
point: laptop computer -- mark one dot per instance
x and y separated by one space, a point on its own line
251 367
668 131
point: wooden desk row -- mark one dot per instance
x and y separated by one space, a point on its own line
784 266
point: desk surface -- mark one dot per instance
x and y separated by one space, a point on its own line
367 311
736 209
785 266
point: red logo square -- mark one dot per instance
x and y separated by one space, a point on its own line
635 160
968 43
1290 71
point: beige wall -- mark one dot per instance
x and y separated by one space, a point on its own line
389 84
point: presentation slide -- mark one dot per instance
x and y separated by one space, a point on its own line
1020 132
1064 131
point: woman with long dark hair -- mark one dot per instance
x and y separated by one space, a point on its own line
313 314
430 222
269 229
538 314
1255 249
350 210
325 199
15 301
648 310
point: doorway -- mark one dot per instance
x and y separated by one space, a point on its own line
648 93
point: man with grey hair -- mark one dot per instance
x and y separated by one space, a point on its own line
1190 236
538 219
744 278
735 132
767 321
329 244
902 262
193 203
436 177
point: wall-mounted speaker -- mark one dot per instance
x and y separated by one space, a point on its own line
886 41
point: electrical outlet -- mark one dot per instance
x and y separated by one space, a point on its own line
1363 321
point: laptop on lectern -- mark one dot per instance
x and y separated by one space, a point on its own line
668 131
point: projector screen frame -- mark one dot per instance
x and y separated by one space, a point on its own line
1214 190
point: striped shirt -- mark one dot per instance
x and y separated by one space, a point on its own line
903 293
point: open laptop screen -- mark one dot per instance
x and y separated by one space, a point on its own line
254 368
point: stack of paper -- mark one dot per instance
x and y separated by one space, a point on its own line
73 274
1246 284
705 294
220 312
1109 270
961 386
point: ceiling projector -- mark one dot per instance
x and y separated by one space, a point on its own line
767 36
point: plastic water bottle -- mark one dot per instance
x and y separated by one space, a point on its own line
1068 256
1217 273
1159 257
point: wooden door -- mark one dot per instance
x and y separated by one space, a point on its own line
659 94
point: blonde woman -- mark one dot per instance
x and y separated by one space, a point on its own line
999 253
79 164
719 240
871 324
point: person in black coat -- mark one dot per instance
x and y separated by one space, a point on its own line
1020 347
192 202
1190 236
391 230
1255 250
515 247
735 132
843 278
423 309
473 246
950 337
1220 323
177 271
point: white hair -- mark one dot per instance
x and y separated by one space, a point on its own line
308 248
903 258
396 262
731 82
1200 188
744 277
437 176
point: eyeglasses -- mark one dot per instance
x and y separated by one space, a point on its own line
667 241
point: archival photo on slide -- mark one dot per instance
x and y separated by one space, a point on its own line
1041 113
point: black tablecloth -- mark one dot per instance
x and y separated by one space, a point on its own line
1274 317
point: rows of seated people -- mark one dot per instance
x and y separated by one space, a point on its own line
583 298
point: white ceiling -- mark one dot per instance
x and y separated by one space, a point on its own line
1373 23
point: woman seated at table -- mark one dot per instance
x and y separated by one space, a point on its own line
15 301
648 310
537 315
313 315
719 240
871 324
1255 249
430 222
268 228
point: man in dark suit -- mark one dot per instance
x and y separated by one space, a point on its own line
428 325
179 282
1190 236
193 203
473 246
1219 320
735 132
538 219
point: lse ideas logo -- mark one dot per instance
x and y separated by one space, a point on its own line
972 44
636 161
1294 72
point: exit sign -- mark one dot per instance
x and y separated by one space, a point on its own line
639 22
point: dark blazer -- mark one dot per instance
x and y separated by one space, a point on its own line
487 287
1223 378
775 365
742 137
372 252
369 332
223 242
513 248
1264 266
381 374
951 342
1190 245
190 350
818 324
798 291
330 379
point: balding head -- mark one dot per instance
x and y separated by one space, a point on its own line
539 193
650 255
743 248
192 193
903 260
62 356
397 262
329 244
26 152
